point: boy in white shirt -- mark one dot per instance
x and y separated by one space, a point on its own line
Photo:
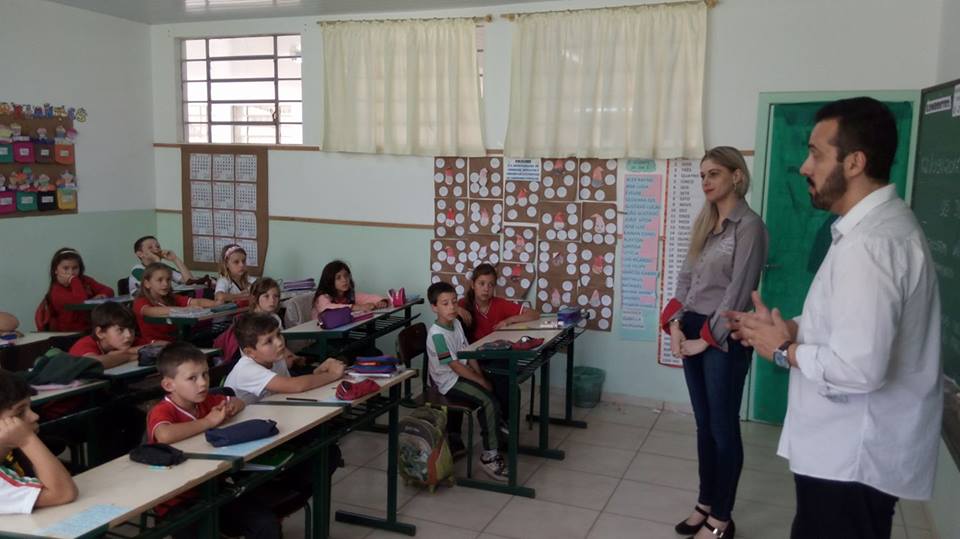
148 251
262 371
21 450
460 379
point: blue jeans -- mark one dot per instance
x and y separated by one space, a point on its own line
715 380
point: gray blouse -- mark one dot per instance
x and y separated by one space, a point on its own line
726 271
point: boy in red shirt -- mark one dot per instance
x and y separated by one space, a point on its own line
113 341
190 409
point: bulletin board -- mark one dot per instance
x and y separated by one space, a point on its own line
224 190
37 162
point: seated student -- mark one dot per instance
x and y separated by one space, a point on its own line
234 282
265 293
114 338
461 379
148 251
156 298
8 323
23 455
190 409
68 286
262 370
336 289
483 313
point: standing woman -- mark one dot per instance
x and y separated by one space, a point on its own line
728 249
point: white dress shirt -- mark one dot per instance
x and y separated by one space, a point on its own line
865 404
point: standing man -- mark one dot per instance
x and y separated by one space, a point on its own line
865 399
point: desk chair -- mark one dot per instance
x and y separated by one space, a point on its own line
123 286
412 342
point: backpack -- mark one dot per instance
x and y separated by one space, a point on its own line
227 343
425 458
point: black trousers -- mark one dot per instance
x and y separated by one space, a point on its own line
841 510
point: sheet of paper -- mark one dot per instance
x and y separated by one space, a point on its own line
84 522
202 221
199 166
223 195
223 166
246 168
203 250
219 243
224 223
250 246
246 225
246 198
641 243
201 194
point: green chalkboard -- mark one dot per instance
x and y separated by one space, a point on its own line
799 233
936 203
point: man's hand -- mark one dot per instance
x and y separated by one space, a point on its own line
15 432
692 347
765 337
736 319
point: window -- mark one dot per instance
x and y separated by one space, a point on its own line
242 90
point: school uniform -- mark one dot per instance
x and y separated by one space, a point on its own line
18 491
228 286
249 379
80 289
151 332
136 275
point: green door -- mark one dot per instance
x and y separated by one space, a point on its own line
800 234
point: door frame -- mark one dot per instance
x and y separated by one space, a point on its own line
761 160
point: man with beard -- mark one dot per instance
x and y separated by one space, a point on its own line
864 402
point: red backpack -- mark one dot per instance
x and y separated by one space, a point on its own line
227 343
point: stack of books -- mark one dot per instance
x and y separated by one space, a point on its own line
375 366
302 284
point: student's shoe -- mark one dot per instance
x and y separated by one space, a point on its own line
687 529
496 468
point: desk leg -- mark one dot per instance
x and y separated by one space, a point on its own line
390 523
321 490
543 447
210 523
567 419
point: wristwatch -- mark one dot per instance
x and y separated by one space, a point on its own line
780 357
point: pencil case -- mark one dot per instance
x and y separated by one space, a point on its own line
245 431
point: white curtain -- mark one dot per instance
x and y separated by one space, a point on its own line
621 82
402 87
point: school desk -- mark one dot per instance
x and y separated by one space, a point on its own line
352 336
127 299
113 493
19 354
518 366
184 322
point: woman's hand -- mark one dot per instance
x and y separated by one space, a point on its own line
676 339
693 347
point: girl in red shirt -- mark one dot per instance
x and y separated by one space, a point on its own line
156 298
68 286
483 313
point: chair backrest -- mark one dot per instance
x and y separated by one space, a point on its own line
298 309
411 342
123 286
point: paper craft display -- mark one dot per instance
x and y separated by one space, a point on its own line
203 249
200 166
223 167
560 258
555 292
560 221
559 179
596 265
519 244
202 220
598 180
450 177
599 225
520 201
598 302
201 194
486 177
246 168
223 195
451 217
459 281
246 225
461 256
486 216
246 196
515 280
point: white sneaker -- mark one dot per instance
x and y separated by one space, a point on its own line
496 468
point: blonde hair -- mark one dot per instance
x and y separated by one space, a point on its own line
148 272
228 250
731 159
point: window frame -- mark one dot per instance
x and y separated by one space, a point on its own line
276 122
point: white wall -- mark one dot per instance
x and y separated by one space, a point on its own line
68 56
949 55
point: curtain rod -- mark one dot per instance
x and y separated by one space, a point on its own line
513 16
485 18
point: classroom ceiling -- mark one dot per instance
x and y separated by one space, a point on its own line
171 11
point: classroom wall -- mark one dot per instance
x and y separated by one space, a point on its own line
949 57
399 189
74 57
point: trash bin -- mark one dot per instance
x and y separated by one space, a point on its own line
587 386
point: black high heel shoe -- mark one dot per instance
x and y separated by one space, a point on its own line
686 529
727 533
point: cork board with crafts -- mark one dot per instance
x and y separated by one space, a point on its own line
224 190
549 226
38 159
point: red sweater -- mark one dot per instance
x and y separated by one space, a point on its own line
81 289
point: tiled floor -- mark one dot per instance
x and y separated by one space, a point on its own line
631 474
